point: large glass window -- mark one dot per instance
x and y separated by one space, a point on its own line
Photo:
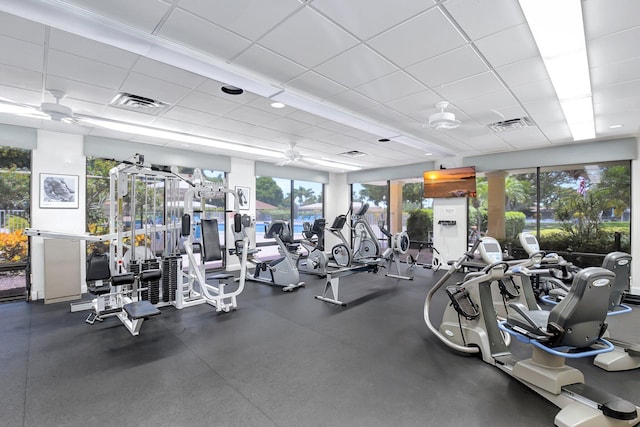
15 202
576 209
376 194
294 201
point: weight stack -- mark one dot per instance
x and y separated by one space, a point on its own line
170 266
153 293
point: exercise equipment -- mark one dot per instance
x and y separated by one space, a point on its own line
364 244
316 260
398 245
194 288
118 295
626 355
573 329
281 272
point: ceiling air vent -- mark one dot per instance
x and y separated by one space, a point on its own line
511 124
353 153
138 103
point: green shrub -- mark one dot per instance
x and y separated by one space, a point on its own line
514 223
419 224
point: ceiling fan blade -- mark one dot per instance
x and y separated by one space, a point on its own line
8 106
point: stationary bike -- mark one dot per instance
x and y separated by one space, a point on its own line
316 260
572 329
282 271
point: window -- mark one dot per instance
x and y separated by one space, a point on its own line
295 201
15 202
376 194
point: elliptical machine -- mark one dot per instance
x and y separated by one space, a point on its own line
573 329
280 272
316 260
398 245
365 244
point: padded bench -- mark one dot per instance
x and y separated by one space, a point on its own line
140 310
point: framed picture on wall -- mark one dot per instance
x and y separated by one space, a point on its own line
243 198
58 191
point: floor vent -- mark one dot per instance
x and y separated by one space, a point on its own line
511 124
353 153
138 103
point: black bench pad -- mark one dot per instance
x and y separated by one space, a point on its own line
140 309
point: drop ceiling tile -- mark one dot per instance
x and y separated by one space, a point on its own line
524 138
173 125
488 141
24 96
621 105
168 73
267 64
616 47
189 115
81 46
335 127
308 38
21 29
264 104
303 116
208 103
481 18
20 78
249 18
448 67
359 18
601 19
522 72
141 14
629 120
21 54
80 106
471 87
615 73
545 111
508 46
353 101
314 132
416 105
316 85
390 87
196 33
150 87
356 66
84 70
251 115
483 108
229 125
127 116
613 93
79 90
417 39
284 124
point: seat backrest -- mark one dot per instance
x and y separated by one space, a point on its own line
620 264
281 229
339 222
211 249
582 313
98 268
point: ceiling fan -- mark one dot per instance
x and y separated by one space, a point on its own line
292 156
54 111
443 119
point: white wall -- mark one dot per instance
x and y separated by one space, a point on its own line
635 224
337 199
56 153
243 174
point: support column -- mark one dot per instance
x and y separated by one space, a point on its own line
495 213
395 206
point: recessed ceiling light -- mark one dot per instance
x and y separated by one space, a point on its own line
277 105
428 154
384 140
615 126
232 90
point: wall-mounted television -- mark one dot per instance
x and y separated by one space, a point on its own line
454 182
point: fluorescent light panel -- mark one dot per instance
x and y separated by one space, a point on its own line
558 30
182 137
